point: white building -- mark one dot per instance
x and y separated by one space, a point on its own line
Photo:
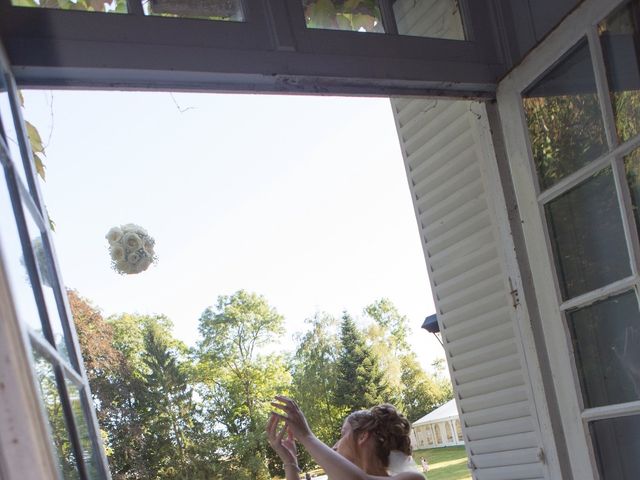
520 130
439 428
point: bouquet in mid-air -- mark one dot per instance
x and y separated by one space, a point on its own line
131 249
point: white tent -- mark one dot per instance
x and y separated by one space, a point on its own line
439 428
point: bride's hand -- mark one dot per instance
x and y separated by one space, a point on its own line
293 417
284 446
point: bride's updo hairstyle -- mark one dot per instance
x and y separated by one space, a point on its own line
389 427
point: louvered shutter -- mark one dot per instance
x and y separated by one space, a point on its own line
456 212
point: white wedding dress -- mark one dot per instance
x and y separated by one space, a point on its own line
399 463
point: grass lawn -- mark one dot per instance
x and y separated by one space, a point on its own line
447 463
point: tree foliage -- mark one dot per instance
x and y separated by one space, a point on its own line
237 380
361 381
169 412
314 371
354 15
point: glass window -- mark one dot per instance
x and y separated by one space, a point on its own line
15 267
449 432
620 38
353 15
107 6
616 443
605 338
229 10
50 395
564 119
458 430
77 406
587 237
429 18
47 281
9 131
438 432
632 170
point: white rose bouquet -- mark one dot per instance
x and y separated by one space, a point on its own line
131 249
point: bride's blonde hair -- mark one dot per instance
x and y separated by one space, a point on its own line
389 427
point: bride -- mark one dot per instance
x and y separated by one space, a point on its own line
374 444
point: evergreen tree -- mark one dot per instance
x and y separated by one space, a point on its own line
166 406
361 383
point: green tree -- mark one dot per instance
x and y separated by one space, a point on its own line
412 390
315 378
114 384
393 324
422 392
166 404
238 380
361 383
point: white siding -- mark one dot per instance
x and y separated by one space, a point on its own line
455 209
429 18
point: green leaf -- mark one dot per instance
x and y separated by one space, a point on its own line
322 14
39 166
34 138
343 22
52 224
24 3
20 96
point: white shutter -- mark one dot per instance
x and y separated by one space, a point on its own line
455 207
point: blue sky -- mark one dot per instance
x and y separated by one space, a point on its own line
301 199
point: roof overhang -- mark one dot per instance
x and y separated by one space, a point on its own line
271 52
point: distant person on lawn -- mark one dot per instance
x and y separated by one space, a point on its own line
425 464
374 444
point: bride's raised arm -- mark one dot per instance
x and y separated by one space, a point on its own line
335 465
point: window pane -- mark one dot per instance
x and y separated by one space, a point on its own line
15 267
617 443
230 10
353 15
9 131
605 338
47 281
50 396
429 18
632 169
108 6
564 118
619 35
88 450
587 238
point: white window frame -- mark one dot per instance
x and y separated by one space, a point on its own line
25 447
581 23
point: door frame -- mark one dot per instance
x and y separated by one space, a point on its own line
581 23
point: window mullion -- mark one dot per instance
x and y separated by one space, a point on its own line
628 218
71 423
388 17
602 85
46 350
23 141
573 180
611 411
600 293
134 7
